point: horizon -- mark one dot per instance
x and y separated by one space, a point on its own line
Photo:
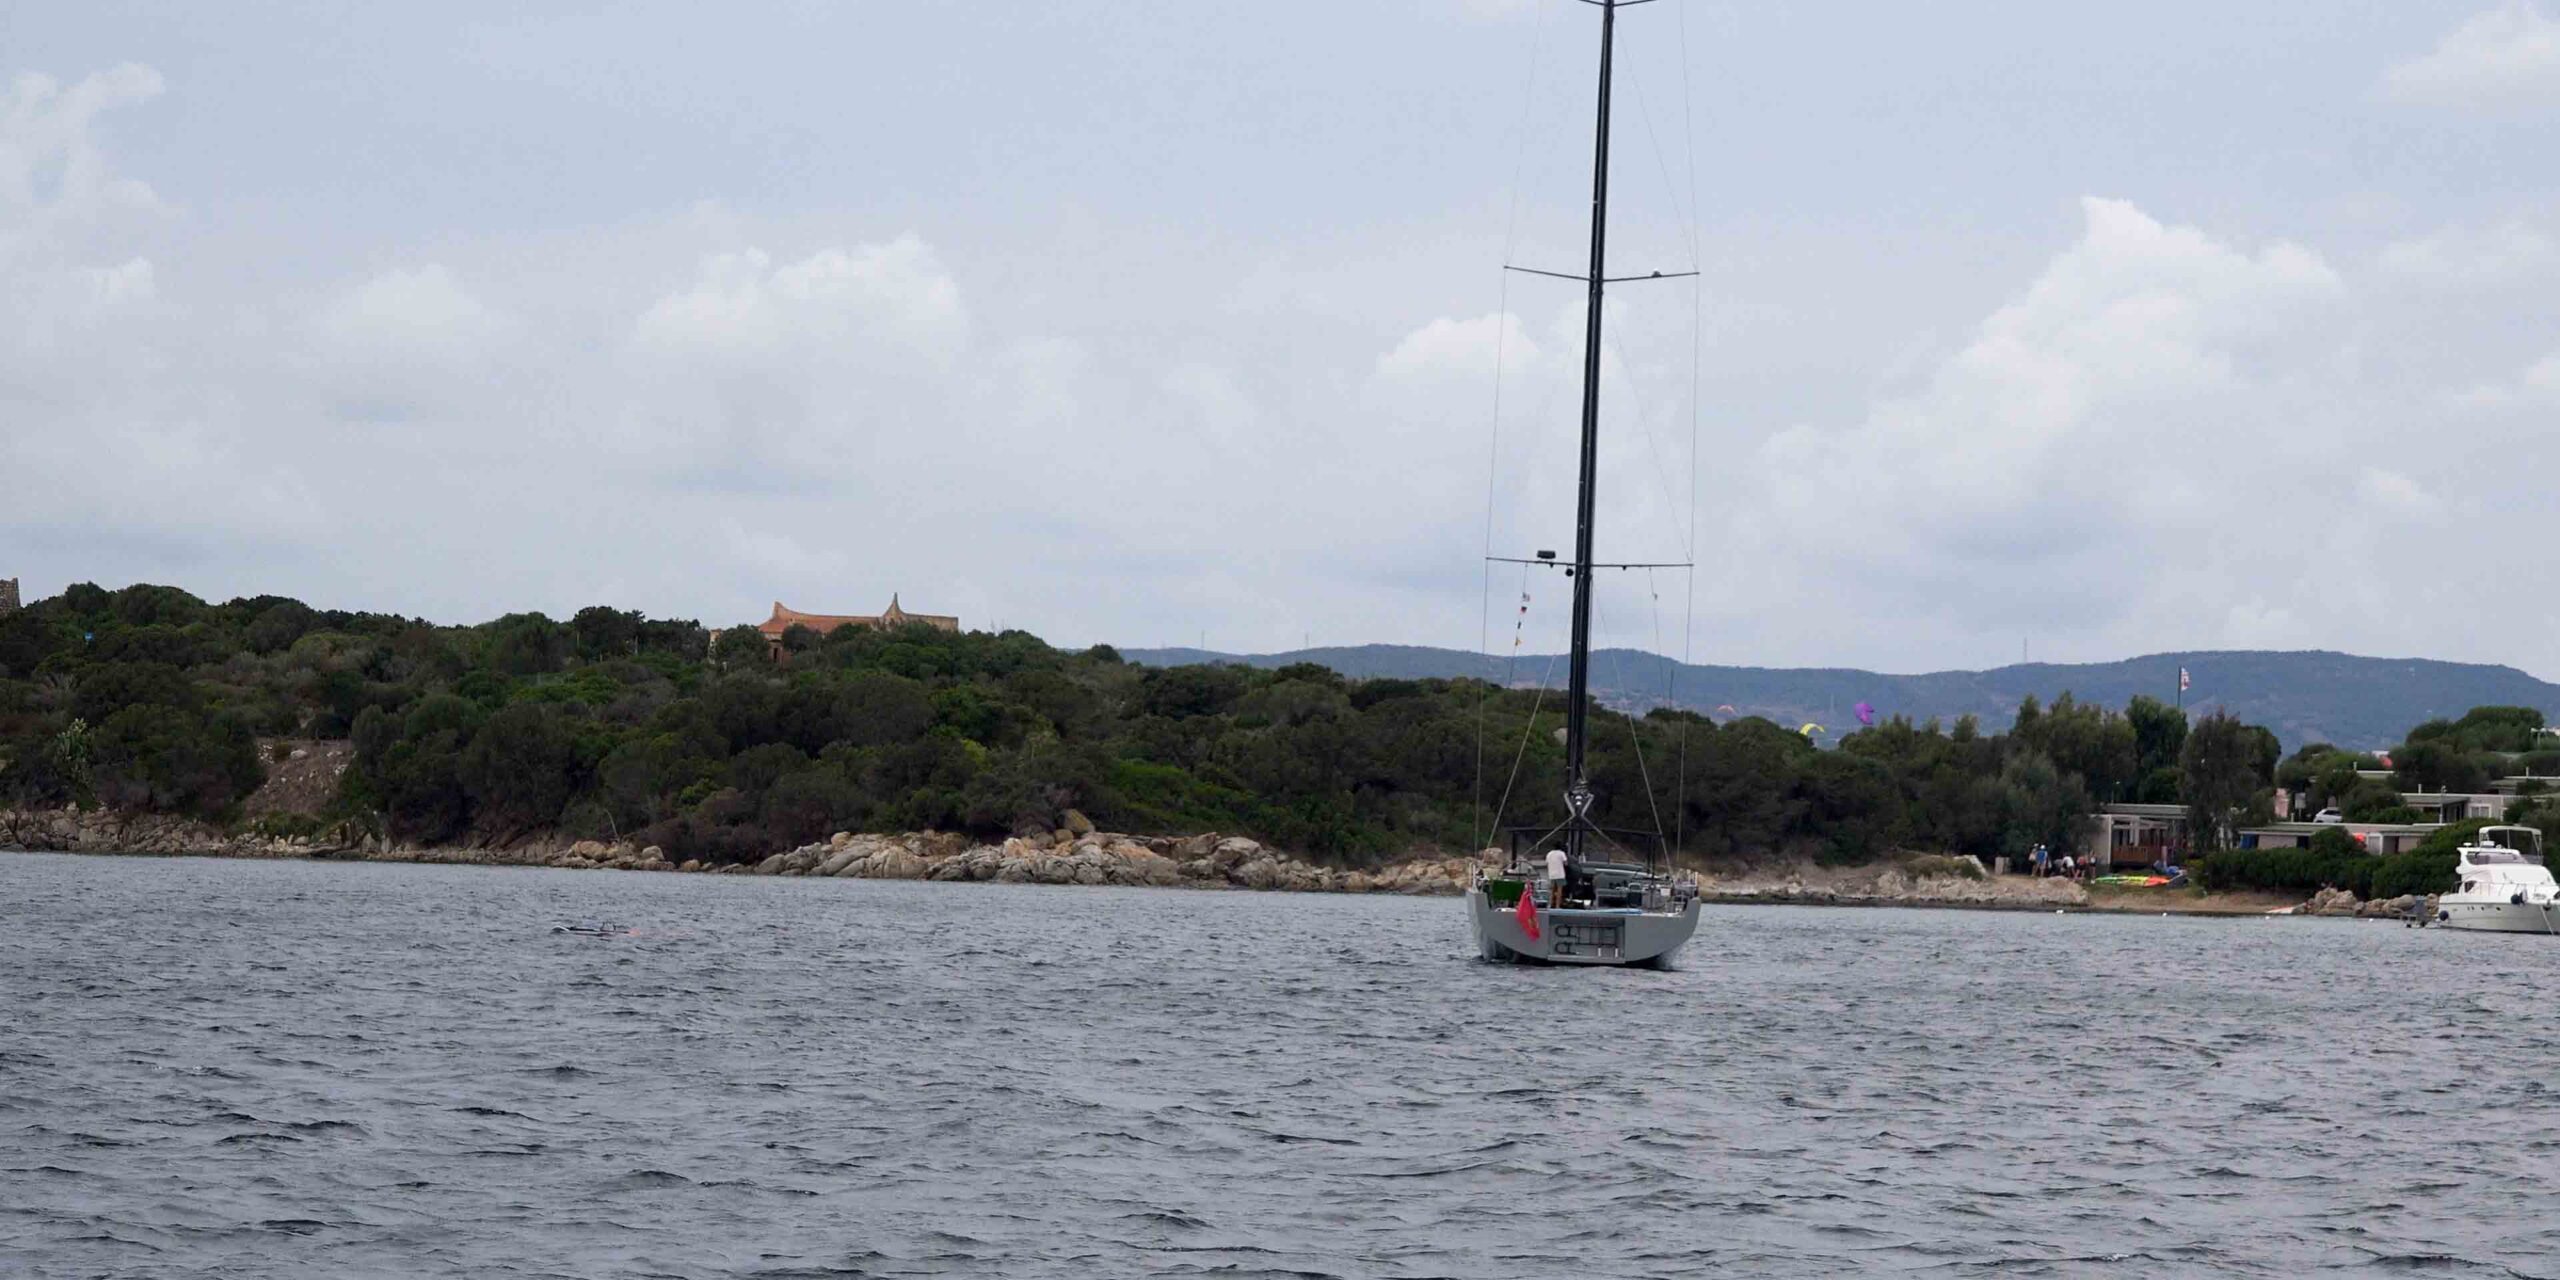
2100 333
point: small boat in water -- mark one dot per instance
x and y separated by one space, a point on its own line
1618 913
2502 886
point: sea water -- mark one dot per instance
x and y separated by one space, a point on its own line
250 1069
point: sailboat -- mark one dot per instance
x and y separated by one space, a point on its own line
1606 912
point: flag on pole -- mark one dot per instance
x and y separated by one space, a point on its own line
2184 683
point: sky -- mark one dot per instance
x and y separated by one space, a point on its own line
2016 330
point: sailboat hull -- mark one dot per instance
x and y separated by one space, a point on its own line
1630 939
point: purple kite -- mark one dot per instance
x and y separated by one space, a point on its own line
1866 713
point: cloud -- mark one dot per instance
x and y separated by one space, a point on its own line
741 306
2150 432
2537 385
2071 421
2122 444
2502 58
2509 255
2395 494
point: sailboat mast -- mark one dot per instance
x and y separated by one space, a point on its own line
1577 696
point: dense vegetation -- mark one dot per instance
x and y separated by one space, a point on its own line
2334 859
611 724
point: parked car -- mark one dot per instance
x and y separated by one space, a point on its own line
2329 815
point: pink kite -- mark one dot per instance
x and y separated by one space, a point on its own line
1866 713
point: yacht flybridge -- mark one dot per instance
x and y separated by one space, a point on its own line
1602 913
2501 885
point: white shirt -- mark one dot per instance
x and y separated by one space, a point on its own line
1555 864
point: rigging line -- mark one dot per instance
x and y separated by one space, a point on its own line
1644 111
1697 296
1520 135
1689 137
1523 752
1697 343
1635 731
1510 663
1492 466
1501 332
1635 407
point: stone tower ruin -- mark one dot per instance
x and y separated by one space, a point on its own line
8 595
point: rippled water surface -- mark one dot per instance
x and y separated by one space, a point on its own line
263 1069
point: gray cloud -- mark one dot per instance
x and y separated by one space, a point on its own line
1927 425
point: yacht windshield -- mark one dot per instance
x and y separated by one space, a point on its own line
2495 857
2524 844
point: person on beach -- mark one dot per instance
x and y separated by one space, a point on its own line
2043 859
1555 877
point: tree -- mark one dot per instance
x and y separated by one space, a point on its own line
2159 734
150 757
2039 804
603 632
2219 773
742 648
521 768
527 644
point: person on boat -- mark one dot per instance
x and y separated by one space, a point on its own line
1555 877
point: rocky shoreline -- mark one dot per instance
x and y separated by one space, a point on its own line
1089 857
1207 861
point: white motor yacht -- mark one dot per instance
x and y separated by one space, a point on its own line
2502 886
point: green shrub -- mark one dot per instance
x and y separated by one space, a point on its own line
2302 871
1927 865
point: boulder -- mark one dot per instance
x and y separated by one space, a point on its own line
772 865
839 860
1260 873
1076 823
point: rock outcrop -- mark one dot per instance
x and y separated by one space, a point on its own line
1208 861
1925 882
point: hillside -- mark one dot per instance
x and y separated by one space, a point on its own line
2312 696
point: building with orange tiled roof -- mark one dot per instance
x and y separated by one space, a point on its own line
785 618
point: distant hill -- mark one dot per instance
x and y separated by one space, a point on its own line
2305 697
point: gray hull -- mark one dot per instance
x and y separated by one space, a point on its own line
1648 940
2500 917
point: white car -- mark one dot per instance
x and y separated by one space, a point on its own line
2329 815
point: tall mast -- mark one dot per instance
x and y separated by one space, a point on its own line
1578 691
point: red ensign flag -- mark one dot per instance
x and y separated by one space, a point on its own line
1528 914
